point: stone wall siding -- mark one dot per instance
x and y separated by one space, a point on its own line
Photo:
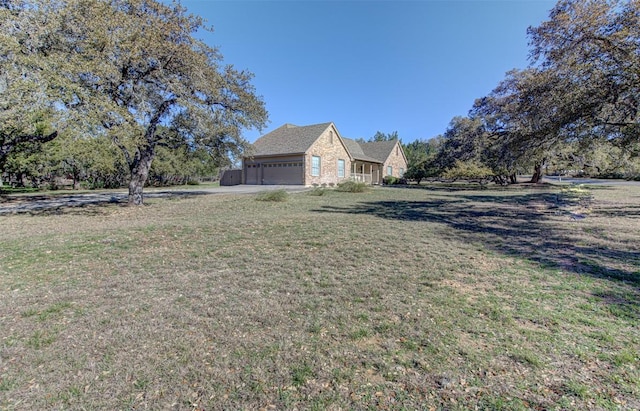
330 149
396 160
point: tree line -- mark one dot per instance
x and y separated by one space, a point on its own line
576 107
108 91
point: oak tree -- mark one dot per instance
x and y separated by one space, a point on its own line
134 72
26 103
592 46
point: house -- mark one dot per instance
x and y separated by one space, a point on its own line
319 155
375 160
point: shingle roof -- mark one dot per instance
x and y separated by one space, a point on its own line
288 139
292 139
379 150
355 149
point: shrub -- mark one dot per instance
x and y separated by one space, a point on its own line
389 180
193 182
275 195
317 191
352 187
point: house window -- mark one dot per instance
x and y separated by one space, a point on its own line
389 170
340 168
401 172
315 166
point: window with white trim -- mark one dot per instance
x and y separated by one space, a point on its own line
315 166
340 168
389 170
401 172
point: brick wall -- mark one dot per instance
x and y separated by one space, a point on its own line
330 149
396 161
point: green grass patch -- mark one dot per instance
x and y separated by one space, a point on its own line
41 339
300 374
626 356
53 310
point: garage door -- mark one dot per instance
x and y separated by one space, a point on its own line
252 172
282 173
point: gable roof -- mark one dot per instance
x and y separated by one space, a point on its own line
288 139
380 150
357 153
291 139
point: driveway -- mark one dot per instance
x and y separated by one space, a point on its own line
590 181
13 204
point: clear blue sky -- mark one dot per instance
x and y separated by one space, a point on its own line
406 66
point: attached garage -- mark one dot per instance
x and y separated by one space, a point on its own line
275 171
282 173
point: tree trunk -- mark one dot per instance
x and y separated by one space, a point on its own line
139 173
538 173
140 164
513 178
76 180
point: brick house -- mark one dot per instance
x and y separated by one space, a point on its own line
319 155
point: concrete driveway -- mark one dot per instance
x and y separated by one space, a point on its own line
13 204
590 181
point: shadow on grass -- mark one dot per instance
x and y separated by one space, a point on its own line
465 186
86 204
626 211
518 225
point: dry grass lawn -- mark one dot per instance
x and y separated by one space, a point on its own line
432 298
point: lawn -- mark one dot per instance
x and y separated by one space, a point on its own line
424 298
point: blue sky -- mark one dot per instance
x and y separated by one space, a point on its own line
405 66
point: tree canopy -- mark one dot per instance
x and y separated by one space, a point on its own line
26 106
133 72
592 48
580 92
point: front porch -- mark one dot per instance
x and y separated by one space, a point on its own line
369 173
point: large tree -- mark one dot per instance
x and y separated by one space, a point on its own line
523 120
592 48
422 158
26 103
136 74
581 89
462 141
